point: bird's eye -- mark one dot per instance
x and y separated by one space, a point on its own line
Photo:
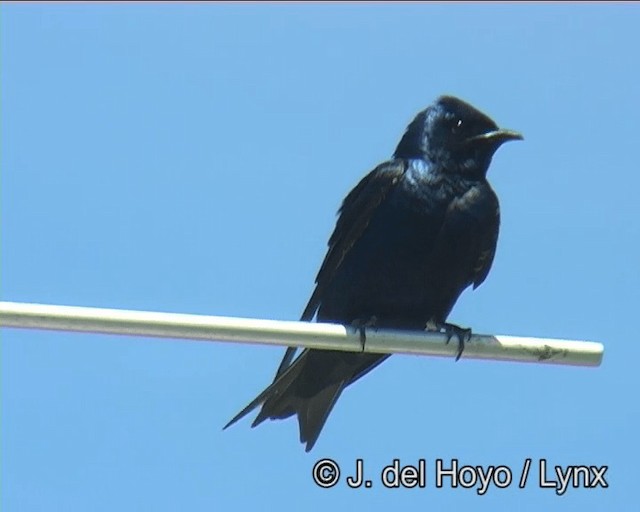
456 126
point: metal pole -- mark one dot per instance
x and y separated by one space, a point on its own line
301 334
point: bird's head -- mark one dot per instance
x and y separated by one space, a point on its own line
455 137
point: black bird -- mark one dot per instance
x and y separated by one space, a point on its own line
410 237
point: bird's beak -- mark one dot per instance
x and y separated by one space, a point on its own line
497 137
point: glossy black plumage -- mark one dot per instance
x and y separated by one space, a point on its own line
410 237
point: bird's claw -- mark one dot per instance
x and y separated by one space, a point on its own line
452 330
361 325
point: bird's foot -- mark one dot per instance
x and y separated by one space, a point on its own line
452 330
361 325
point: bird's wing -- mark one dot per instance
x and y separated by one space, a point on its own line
487 238
354 216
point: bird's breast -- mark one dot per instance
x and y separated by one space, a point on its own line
393 271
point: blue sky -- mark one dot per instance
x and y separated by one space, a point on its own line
191 158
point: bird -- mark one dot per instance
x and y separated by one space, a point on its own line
410 237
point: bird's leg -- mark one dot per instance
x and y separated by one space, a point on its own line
451 330
361 325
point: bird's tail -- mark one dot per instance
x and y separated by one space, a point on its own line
283 399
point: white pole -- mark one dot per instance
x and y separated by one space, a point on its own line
301 334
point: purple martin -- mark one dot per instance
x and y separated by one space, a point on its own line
410 237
